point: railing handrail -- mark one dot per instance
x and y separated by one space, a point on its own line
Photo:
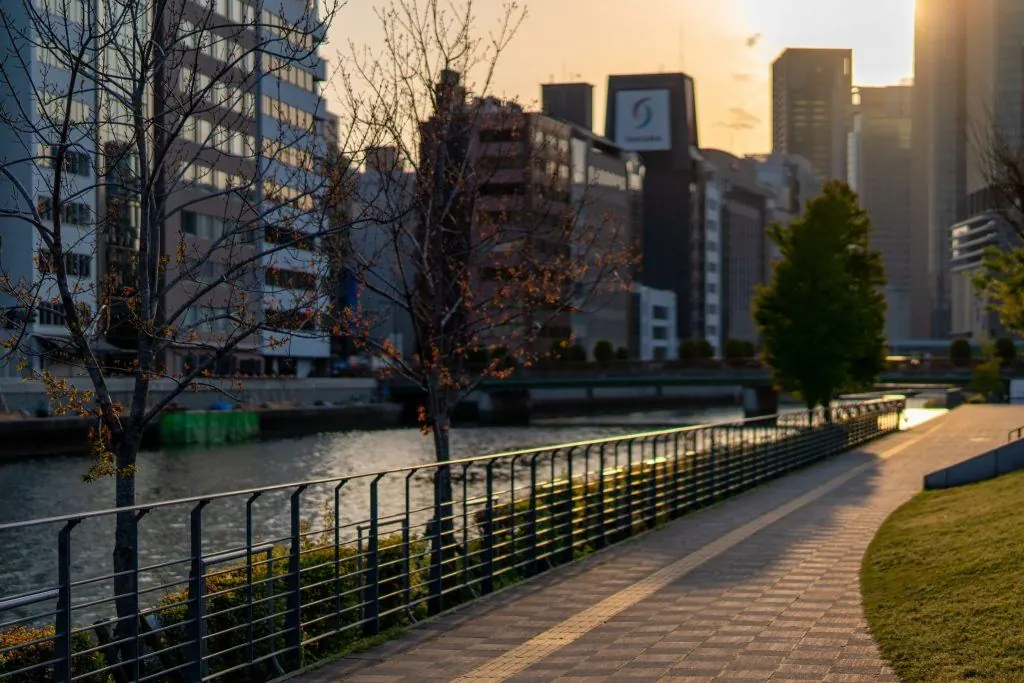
408 469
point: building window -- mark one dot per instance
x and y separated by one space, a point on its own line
75 162
659 333
290 279
660 353
76 265
659 312
74 213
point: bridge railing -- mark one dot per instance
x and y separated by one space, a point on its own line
251 584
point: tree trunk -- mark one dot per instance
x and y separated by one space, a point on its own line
126 546
443 552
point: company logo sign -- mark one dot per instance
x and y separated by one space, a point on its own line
643 120
642 113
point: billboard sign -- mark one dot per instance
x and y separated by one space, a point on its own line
642 122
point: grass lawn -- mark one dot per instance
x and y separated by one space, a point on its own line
943 584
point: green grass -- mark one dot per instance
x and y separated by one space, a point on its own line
943 584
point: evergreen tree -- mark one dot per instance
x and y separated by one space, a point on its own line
822 317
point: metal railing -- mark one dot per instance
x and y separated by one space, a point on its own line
250 584
1014 434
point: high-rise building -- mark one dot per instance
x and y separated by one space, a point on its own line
968 79
743 211
247 126
881 176
811 96
655 115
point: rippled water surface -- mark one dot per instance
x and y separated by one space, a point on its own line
46 487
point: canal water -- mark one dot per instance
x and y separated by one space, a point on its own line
52 486
47 487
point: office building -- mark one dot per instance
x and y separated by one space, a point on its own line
968 78
971 316
793 182
811 91
744 209
655 115
607 188
383 193
41 330
241 177
505 175
880 167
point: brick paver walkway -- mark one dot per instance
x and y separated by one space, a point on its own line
764 586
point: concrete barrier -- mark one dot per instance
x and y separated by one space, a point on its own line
30 396
995 463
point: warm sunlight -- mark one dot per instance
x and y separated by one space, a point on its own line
727 46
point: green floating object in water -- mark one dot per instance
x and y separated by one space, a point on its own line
208 428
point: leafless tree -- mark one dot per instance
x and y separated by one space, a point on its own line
152 223
472 227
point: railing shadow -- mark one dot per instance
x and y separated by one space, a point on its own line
249 584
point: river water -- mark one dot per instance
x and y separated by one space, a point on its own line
52 486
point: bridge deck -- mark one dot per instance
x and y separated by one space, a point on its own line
763 586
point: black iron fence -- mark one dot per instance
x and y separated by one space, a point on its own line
247 585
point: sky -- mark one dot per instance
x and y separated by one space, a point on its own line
726 45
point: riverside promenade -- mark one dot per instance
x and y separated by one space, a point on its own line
763 586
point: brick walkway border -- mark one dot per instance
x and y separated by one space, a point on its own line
764 586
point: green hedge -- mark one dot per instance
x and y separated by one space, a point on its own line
33 652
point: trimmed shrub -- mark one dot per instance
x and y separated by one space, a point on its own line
1006 350
960 352
622 353
576 353
689 349
738 349
604 352
705 350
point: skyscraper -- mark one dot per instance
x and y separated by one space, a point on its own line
811 95
968 77
880 173
655 115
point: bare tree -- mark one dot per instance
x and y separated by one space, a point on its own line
472 227
1001 166
157 227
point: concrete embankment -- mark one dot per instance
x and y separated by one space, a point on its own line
32 437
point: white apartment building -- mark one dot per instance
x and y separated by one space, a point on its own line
656 323
713 202
33 99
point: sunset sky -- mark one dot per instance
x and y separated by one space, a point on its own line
588 40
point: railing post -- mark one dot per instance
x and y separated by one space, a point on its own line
602 526
534 550
340 621
488 539
197 596
62 668
250 651
567 552
629 488
293 620
712 475
407 545
675 474
652 508
435 603
371 590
